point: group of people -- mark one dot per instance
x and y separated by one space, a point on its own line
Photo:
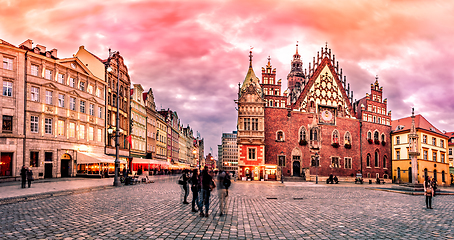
430 185
26 175
202 184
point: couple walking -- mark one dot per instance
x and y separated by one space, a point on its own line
26 174
201 187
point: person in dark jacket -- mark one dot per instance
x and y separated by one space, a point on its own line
206 183
23 174
195 188
185 179
29 177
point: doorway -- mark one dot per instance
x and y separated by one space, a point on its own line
296 169
64 168
48 170
410 178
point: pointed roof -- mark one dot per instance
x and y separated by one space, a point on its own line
251 78
420 122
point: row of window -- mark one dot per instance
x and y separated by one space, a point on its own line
426 155
251 124
275 103
266 81
376 98
70 81
49 99
270 91
375 119
376 136
376 109
71 129
376 160
424 140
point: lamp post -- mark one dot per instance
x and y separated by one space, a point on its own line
316 167
116 54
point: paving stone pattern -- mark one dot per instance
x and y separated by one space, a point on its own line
255 211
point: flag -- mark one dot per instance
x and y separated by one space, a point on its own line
129 140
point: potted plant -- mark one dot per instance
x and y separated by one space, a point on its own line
370 141
377 141
303 142
335 144
348 145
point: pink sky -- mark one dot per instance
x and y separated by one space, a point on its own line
194 53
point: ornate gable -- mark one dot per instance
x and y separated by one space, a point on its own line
325 88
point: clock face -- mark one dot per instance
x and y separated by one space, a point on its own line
327 115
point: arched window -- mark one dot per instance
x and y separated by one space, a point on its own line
376 159
335 136
398 173
435 175
368 160
302 133
443 176
383 137
369 135
384 161
280 136
314 133
271 102
376 136
347 138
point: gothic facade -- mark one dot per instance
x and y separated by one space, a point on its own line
314 128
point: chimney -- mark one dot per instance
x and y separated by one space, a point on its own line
28 44
42 49
53 52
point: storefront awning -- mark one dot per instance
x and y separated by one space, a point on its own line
83 158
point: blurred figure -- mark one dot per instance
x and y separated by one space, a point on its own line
23 174
207 184
223 186
29 177
195 187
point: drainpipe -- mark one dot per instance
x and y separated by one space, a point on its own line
25 109
361 144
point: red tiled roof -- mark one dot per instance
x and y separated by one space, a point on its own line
420 122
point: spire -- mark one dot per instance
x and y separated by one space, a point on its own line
269 62
296 47
250 58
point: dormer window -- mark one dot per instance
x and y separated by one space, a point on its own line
400 127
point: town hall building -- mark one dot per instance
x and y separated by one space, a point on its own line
312 129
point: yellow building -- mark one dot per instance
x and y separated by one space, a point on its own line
432 149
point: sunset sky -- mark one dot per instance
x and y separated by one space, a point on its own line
194 53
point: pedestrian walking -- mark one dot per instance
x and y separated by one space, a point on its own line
428 192
29 177
23 174
433 183
223 186
195 187
184 178
207 184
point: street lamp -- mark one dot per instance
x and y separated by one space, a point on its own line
316 167
116 55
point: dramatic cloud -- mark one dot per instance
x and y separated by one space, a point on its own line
194 53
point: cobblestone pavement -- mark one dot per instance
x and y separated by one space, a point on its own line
255 211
